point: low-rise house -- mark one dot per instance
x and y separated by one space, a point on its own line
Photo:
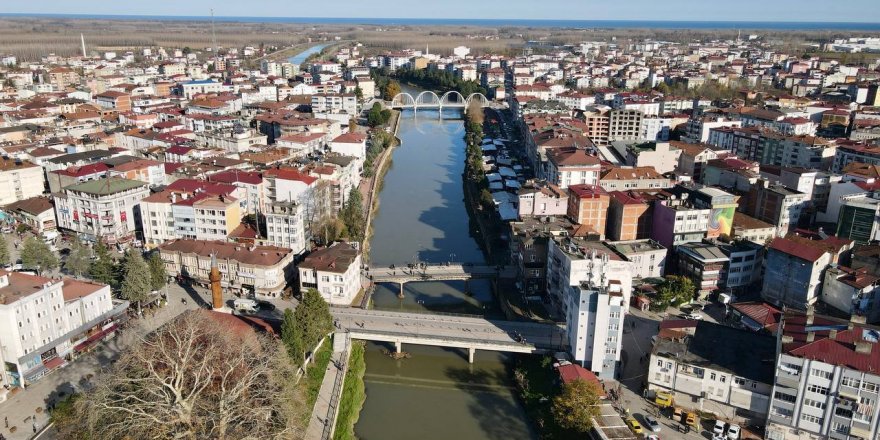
334 272
263 271
36 212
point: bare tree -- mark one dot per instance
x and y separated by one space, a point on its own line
197 378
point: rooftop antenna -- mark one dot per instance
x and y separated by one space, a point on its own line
82 39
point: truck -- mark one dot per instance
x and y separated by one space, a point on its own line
664 400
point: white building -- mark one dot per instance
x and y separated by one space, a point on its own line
19 180
722 370
105 209
285 226
334 272
334 103
595 326
45 322
350 144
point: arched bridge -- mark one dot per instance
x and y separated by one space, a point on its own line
431 100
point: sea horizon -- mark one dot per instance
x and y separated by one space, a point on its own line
545 23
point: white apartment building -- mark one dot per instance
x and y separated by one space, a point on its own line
334 103
19 180
334 272
285 226
722 370
45 322
232 141
595 326
105 209
262 271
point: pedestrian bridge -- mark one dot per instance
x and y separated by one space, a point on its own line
430 100
455 331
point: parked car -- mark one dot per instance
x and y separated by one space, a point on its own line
733 432
692 420
691 316
719 427
634 425
266 305
652 424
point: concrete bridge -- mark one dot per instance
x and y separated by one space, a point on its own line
437 272
457 331
431 100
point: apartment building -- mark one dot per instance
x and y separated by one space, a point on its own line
588 206
629 216
573 260
775 204
285 226
334 272
113 100
625 125
105 209
335 103
633 178
676 220
719 369
826 384
705 264
648 257
795 266
262 271
45 322
595 326
572 166
216 216
19 180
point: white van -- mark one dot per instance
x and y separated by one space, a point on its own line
246 305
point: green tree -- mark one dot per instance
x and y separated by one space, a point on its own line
103 268
353 215
158 274
5 257
78 260
675 290
313 320
292 337
377 116
390 90
576 406
35 254
135 278
359 93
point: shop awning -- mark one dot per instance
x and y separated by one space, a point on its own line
94 338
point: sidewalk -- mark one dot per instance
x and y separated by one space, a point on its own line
323 419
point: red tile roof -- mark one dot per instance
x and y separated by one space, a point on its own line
841 350
572 372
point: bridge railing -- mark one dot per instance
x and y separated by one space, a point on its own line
450 339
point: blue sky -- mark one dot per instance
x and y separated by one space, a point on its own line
708 10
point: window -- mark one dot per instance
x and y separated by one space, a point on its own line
820 373
811 419
851 382
784 397
843 412
840 428
814 403
817 389
867 386
779 411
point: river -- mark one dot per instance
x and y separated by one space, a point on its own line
436 394
299 58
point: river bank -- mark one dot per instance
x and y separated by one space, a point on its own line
374 185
